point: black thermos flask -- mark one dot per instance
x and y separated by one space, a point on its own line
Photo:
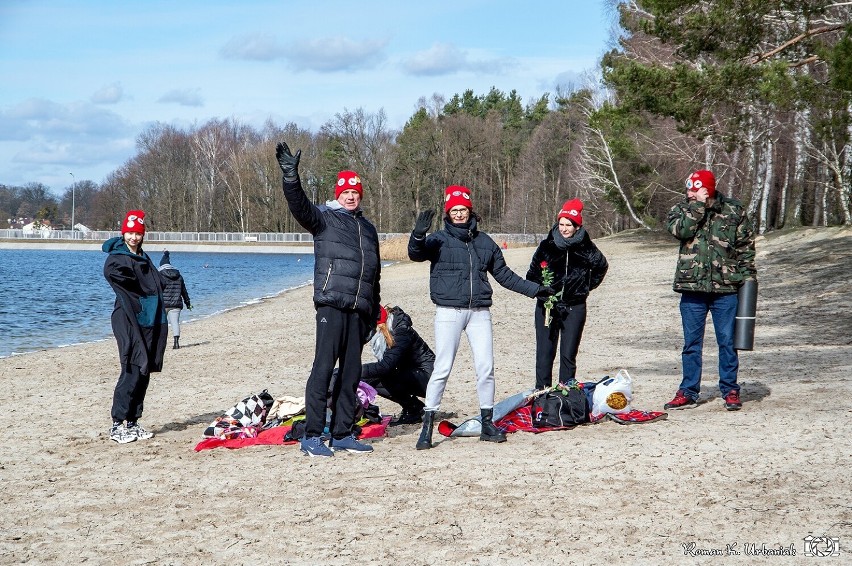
746 311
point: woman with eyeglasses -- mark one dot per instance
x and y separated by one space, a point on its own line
461 258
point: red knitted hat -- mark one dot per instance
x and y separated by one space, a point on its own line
383 315
457 195
702 178
348 180
572 210
134 222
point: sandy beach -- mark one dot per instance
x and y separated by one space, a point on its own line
705 481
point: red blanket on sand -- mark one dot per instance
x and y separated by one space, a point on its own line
275 435
521 419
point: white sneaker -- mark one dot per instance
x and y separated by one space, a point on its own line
141 433
120 434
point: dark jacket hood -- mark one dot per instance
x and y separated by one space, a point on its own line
116 245
169 272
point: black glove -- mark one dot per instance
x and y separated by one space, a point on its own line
424 222
544 292
288 162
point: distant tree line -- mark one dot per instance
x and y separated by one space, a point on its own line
758 91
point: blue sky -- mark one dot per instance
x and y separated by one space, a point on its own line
81 79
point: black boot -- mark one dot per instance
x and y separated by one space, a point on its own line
177 345
425 440
490 432
408 415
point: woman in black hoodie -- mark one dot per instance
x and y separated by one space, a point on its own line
576 266
138 322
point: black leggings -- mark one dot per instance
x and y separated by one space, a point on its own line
401 387
567 325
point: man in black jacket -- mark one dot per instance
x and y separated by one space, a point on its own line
346 297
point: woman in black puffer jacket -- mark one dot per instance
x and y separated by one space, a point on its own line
577 267
461 258
404 364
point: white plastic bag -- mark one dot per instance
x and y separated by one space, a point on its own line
613 395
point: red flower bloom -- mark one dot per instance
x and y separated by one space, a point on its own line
544 265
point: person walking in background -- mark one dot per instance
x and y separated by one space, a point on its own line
138 323
174 296
575 266
346 297
461 258
716 256
405 362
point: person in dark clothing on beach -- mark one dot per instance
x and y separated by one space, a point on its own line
346 297
405 362
576 266
174 296
138 323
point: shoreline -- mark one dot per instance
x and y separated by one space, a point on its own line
184 322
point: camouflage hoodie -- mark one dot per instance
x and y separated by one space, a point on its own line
716 245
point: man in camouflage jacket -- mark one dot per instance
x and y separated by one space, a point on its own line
716 256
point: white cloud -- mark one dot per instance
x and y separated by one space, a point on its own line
41 117
567 81
184 97
335 54
108 94
252 48
447 59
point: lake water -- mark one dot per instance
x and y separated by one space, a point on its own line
54 298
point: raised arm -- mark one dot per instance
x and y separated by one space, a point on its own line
303 210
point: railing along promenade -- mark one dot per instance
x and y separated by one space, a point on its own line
217 237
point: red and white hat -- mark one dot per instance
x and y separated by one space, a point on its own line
348 180
457 195
572 210
134 222
702 178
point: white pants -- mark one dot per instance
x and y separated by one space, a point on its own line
449 325
174 320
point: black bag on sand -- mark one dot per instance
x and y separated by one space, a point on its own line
560 408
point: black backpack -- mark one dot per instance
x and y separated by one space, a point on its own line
560 408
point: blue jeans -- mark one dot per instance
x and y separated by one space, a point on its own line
693 313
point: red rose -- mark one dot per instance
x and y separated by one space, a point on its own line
544 265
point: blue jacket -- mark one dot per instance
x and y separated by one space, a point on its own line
461 260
